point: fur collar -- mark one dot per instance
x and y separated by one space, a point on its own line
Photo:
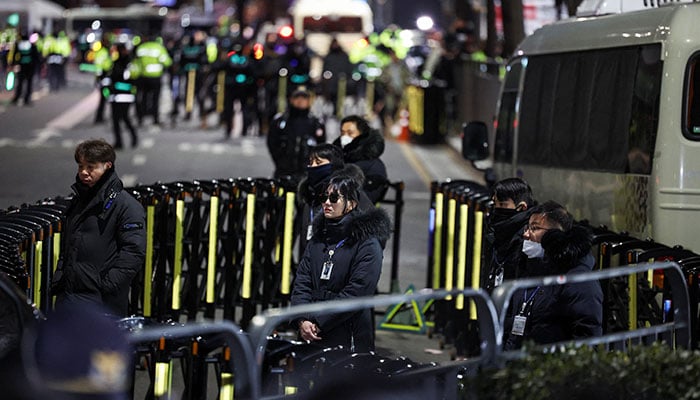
565 249
357 226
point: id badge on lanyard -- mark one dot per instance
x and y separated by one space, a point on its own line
328 265
520 320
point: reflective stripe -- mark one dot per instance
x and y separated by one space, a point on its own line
154 68
54 59
122 98
146 52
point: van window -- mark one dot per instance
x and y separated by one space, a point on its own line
691 111
505 122
594 110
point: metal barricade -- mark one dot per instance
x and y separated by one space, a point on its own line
676 332
433 380
456 254
198 344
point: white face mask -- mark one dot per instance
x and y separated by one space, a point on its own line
532 249
345 140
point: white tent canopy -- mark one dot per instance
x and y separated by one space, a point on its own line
37 11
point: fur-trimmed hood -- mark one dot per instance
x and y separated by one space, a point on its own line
565 249
356 227
363 147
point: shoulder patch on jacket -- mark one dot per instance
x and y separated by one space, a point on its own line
132 226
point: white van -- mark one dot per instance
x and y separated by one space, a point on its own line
602 115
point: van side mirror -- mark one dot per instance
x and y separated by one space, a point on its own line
475 141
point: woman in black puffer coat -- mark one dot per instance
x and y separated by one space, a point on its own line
363 146
555 245
342 260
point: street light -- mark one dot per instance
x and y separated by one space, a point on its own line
425 23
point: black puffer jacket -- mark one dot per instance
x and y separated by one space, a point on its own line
103 246
357 240
505 239
364 151
291 135
565 312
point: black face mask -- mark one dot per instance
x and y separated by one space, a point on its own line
501 214
316 175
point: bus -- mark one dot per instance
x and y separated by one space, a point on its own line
600 113
319 21
141 19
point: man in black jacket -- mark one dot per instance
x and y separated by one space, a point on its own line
512 201
104 241
292 134
555 245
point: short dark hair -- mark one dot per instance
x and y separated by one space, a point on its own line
95 150
345 185
329 152
556 213
361 123
515 189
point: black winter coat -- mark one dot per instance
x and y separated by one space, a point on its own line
505 239
103 246
291 135
357 265
364 151
562 312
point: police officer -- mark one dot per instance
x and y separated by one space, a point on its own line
64 49
124 74
291 135
193 62
102 62
25 59
153 60
239 86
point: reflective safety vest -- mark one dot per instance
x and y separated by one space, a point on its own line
102 61
123 90
25 53
153 59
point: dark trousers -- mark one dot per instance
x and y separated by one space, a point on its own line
54 76
120 113
24 82
148 99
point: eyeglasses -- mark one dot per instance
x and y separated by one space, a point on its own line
534 229
332 197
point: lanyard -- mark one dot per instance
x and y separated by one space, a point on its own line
332 251
328 265
527 301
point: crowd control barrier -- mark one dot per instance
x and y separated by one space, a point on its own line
290 367
29 247
458 254
455 256
198 346
674 329
220 248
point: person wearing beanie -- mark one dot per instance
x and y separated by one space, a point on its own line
80 353
292 134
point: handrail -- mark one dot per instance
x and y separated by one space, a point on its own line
679 291
247 379
262 325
